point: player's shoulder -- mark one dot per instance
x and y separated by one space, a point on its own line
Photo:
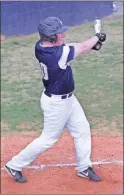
64 50
52 54
45 54
47 51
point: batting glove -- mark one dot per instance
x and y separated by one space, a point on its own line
101 36
97 46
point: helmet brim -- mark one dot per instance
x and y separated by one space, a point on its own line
62 29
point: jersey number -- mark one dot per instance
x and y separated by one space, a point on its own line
44 71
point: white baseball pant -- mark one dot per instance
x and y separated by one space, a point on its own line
58 113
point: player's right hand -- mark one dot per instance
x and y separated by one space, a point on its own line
101 36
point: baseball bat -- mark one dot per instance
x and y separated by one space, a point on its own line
97 26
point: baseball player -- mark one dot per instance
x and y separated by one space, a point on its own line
60 106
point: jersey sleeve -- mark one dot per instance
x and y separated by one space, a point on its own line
67 54
71 54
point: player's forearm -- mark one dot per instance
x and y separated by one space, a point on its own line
92 41
84 47
87 45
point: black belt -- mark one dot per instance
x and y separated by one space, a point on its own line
62 96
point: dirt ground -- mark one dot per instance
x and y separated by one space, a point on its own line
63 180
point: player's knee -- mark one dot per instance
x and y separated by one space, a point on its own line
85 125
85 129
51 142
48 141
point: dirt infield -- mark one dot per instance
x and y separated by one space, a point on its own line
63 180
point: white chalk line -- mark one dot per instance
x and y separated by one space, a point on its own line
102 162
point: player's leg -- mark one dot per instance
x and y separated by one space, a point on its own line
79 128
54 122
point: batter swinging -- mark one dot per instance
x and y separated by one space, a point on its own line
60 106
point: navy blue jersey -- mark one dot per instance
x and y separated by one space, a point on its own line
55 63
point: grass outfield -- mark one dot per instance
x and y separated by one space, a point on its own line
98 78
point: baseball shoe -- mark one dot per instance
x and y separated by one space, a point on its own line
16 175
89 174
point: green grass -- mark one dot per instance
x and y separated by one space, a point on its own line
98 78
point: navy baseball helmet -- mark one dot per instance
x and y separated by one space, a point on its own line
51 26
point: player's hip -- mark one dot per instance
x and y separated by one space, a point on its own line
51 101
